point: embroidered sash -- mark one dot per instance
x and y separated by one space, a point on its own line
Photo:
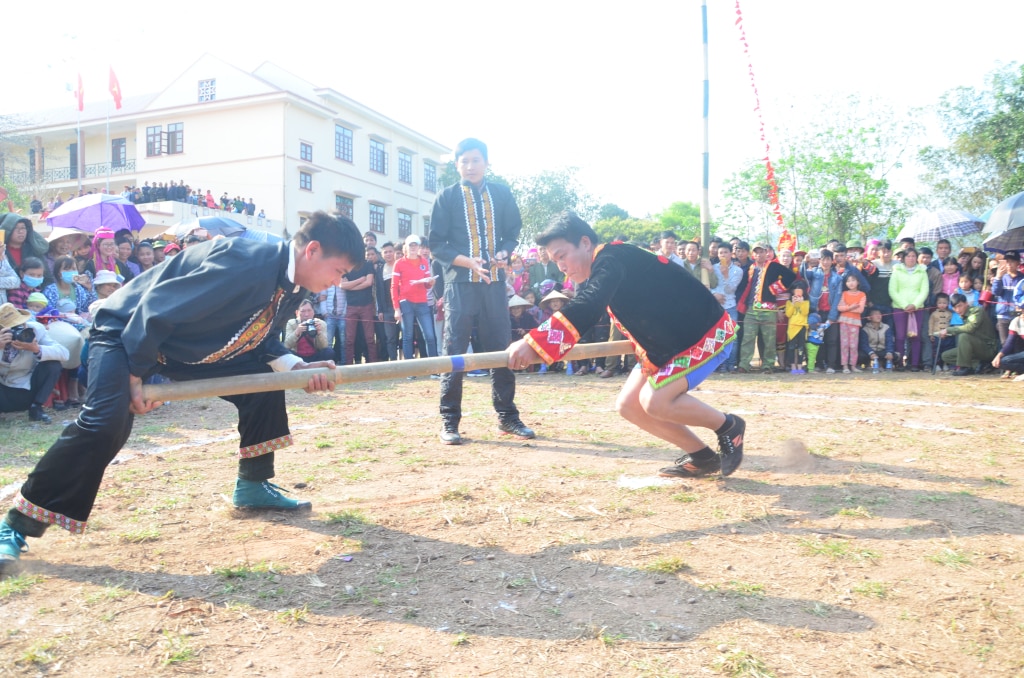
251 335
480 241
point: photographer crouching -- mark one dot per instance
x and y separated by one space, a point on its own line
306 336
29 363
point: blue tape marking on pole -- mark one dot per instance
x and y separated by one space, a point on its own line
458 363
704 18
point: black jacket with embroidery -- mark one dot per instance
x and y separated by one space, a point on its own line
449 230
210 303
663 309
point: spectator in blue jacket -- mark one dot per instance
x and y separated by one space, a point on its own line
1004 284
825 291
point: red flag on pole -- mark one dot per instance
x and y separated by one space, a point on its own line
80 94
115 89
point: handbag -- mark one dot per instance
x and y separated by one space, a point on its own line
911 325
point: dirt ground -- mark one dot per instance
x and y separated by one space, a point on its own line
874 529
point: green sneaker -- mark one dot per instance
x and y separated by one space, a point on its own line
12 545
263 494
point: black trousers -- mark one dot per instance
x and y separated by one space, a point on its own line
487 306
44 378
795 349
62 488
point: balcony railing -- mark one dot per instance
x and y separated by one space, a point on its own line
52 176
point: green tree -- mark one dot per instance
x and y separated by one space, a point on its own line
543 196
639 231
610 210
681 217
19 201
833 179
983 162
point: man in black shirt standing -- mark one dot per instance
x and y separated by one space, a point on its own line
360 314
474 226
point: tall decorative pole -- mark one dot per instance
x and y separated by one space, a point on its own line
705 205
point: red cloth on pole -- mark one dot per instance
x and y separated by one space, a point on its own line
787 241
115 89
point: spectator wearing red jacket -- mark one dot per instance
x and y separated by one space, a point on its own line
409 284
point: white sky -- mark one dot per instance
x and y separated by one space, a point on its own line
611 88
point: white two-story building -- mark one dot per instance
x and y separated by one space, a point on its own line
290 146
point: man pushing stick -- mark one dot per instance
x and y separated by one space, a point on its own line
677 327
213 311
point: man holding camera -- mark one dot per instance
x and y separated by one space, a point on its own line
29 363
306 335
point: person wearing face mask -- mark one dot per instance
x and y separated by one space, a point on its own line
69 284
32 275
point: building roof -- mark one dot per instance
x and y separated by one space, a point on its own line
233 84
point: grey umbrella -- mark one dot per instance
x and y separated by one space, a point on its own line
932 226
1006 215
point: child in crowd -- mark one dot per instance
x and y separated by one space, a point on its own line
950 276
851 306
31 273
550 305
105 284
533 309
876 340
815 337
966 288
522 321
797 311
941 319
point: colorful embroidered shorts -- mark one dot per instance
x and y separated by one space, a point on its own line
700 360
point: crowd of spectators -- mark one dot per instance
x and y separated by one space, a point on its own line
850 307
176 191
839 308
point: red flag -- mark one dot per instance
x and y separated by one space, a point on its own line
80 94
115 89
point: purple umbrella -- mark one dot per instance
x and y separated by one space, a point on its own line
89 212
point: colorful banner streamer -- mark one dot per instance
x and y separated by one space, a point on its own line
787 240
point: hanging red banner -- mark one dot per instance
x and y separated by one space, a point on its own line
787 238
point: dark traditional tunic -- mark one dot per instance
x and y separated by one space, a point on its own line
475 223
211 303
212 311
663 310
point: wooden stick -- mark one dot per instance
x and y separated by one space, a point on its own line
280 381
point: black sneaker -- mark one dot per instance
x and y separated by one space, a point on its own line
730 445
686 468
450 433
35 413
517 428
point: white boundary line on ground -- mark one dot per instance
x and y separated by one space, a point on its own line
885 401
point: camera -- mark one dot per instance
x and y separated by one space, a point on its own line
310 327
23 334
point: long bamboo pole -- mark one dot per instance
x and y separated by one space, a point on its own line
280 381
